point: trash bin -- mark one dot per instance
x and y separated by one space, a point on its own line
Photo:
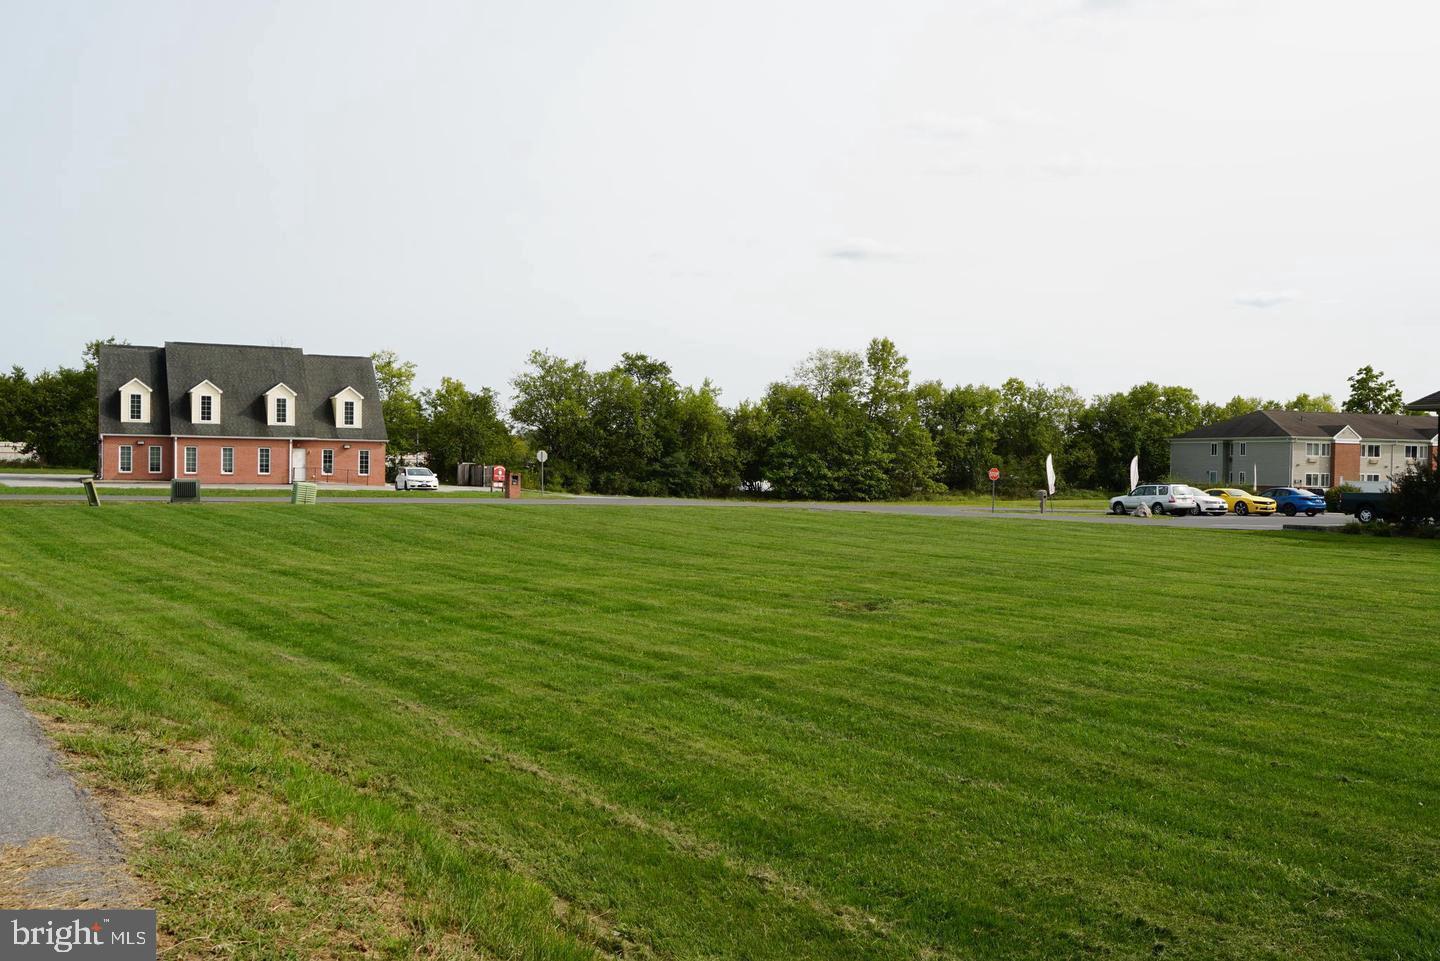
303 492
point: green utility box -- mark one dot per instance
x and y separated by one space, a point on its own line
92 496
184 491
303 492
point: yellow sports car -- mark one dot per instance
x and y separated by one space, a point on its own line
1242 503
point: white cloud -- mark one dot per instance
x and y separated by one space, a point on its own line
937 126
861 249
1265 299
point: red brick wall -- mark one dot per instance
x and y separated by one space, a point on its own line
347 461
247 460
140 468
1345 463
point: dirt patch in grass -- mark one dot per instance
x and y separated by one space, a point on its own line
868 605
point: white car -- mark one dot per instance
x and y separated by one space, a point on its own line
416 479
1205 503
1160 498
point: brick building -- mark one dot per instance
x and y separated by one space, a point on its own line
231 414
1286 448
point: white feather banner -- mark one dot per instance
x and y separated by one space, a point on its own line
1050 473
1135 472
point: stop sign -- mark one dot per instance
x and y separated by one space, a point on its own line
994 473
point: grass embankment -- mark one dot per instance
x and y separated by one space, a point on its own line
745 734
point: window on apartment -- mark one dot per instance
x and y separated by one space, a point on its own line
207 408
1242 448
282 410
364 463
127 458
1212 476
1414 451
1242 477
327 461
1317 449
134 406
349 413
1372 450
263 464
1317 480
155 458
227 460
1369 478
192 460
1214 450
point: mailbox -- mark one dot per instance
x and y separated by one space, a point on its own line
513 488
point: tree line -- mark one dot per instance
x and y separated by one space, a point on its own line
845 425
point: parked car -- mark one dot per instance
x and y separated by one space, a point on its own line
1367 506
1205 503
1293 500
1160 498
416 479
1243 502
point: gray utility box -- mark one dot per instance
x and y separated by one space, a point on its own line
184 491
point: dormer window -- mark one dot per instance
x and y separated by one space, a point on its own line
205 403
280 406
349 408
135 402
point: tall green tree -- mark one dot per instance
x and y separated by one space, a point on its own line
462 425
404 416
1371 392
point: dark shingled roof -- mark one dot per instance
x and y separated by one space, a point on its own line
243 374
1430 402
1294 423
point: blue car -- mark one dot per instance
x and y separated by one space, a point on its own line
1293 500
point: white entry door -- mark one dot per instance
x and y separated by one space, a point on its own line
297 464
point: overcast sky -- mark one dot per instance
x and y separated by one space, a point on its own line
1237 196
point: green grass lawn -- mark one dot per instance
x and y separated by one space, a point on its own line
695 733
280 490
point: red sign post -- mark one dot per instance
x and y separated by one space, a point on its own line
994 476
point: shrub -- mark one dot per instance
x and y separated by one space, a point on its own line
1416 497
1332 496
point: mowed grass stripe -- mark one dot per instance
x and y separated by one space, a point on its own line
1021 750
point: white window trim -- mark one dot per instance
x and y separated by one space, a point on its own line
363 463
327 453
186 463
1214 450
207 409
281 391
135 386
154 467
1367 449
222 460
1243 446
262 454
282 410
127 450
